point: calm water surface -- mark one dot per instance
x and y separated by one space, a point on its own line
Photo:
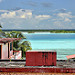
62 43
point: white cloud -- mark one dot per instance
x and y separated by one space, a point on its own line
16 14
23 16
67 20
62 10
63 20
18 19
4 11
42 17
8 15
25 19
64 15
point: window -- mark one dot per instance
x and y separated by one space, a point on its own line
8 50
11 46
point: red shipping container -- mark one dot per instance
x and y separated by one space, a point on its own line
40 58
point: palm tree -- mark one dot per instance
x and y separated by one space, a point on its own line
24 45
0 26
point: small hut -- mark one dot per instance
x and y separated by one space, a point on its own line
6 49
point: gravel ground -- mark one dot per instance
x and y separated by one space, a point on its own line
60 64
66 64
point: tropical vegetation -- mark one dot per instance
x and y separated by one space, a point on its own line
17 45
0 31
44 30
20 44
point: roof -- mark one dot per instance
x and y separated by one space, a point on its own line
5 40
41 51
70 56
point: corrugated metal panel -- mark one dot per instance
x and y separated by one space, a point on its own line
39 58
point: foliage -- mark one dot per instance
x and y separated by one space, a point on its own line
0 26
51 31
62 31
17 45
25 45
0 31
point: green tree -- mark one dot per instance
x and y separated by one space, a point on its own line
19 45
0 26
25 45
0 31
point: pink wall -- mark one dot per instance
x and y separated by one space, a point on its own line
5 51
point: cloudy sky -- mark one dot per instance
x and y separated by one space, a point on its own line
37 14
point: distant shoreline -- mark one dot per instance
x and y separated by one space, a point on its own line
42 30
36 29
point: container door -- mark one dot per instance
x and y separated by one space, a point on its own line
54 58
30 58
43 58
47 58
38 59
33 58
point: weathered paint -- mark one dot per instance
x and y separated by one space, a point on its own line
38 58
39 70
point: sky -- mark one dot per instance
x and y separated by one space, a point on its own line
37 14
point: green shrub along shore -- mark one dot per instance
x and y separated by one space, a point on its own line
52 31
62 31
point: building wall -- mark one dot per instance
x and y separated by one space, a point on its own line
5 51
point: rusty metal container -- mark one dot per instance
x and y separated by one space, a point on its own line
40 58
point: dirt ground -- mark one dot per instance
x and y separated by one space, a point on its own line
37 73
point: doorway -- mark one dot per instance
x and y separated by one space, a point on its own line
8 50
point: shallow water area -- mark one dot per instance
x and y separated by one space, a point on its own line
62 43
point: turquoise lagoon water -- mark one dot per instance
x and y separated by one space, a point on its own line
62 43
